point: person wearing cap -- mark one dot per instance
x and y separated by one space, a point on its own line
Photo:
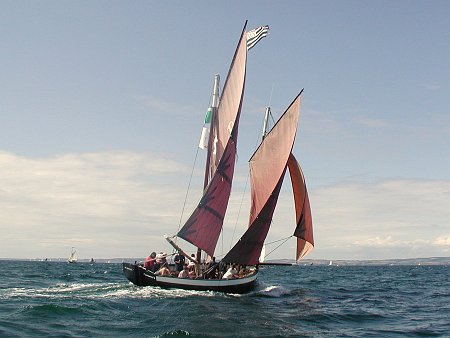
160 259
192 267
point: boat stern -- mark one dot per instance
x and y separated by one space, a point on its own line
138 275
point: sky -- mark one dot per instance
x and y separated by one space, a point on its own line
102 105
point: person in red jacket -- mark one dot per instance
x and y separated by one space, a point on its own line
149 262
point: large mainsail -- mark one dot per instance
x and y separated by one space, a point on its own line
267 169
204 225
303 230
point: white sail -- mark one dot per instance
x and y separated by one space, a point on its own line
72 258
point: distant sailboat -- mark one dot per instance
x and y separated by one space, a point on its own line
73 257
268 166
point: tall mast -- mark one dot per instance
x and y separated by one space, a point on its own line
266 118
215 94
213 112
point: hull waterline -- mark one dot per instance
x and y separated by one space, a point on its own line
140 276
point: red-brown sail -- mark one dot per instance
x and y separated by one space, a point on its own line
304 229
267 168
270 159
204 225
226 117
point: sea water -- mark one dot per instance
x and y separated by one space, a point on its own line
56 299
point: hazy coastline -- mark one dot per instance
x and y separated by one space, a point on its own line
306 262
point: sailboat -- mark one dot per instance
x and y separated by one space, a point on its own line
268 166
72 258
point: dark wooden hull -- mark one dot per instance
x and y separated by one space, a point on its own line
140 276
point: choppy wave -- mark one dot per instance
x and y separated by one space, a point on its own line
271 291
176 333
123 289
97 300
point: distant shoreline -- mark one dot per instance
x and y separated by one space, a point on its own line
306 262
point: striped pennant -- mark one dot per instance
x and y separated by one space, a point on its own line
255 35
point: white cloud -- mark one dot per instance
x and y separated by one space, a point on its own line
376 242
50 204
407 215
119 204
443 241
389 241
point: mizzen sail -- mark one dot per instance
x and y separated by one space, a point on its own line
204 225
304 229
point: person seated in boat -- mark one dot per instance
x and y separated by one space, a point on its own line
191 271
211 269
179 261
221 269
231 273
242 271
163 270
185 272
150 261
160 259
211 263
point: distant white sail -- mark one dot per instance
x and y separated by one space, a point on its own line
72 257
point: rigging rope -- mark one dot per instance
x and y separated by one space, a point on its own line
279 240
285 240
187 191
239 212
